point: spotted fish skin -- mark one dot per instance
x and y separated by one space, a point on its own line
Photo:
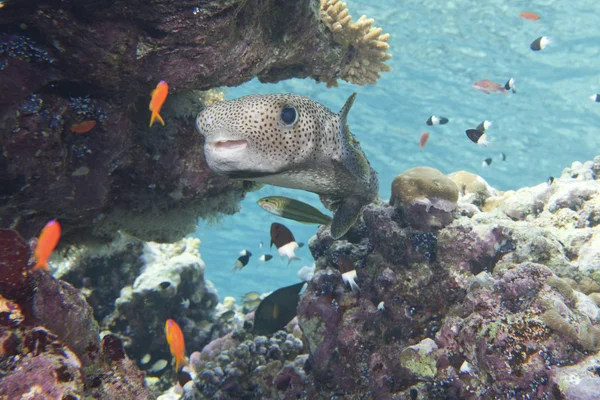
248 138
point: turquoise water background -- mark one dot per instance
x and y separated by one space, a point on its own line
439 50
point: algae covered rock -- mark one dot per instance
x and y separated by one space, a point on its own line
421 359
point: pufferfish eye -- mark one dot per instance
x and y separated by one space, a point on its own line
289 115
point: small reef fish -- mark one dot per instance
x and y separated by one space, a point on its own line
550 180
510 85
250 296
185 303
486 162
251 305
265 257
227 315
381 306
477 137
176 343
529 16
159 96
158 366
502 157
277 309
83 127
284 240
242 260
435 120
146 359
349 278
595 97
540 43
484 126
45 245
260 245
487 86
296 210
423 140
296 143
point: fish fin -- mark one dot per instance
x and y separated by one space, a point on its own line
41 265
154 117
352 156
345 216
290 259
346 109
251 186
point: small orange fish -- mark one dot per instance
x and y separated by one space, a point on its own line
176 342
46 244
83 127
487 86
530 16
158 98
423 140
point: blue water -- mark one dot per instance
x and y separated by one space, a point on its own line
440 49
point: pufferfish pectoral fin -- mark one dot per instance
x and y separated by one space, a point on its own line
345 216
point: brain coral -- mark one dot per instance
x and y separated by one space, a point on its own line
423 183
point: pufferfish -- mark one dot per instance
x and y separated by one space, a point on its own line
291 141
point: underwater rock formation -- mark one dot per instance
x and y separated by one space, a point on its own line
49 341
498 303
96 63
135 286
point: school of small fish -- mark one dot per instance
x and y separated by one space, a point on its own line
478 135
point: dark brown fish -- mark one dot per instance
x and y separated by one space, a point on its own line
277 309
284 240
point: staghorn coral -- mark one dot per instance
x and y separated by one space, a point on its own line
369 44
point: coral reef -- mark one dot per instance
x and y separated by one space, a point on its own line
135 286
494 304
489 306
89 61
50 345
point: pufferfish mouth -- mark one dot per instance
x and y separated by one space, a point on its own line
237 144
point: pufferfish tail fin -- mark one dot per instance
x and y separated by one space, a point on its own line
345 216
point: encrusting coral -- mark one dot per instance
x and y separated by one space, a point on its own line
369 44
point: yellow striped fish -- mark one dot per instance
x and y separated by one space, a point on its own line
293 209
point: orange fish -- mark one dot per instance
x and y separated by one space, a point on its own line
176 343
46 244
158 98
530 16
487 86
83 127
423 140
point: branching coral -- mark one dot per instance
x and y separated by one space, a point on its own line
368 44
